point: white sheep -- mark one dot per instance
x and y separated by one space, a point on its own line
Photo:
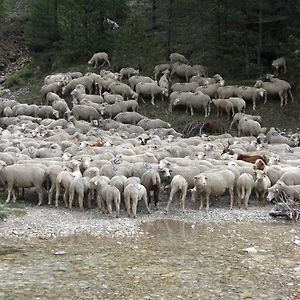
128 72
122 89
148 124
150 89
280 188
79 187
279 64
185 87
133 193
214 183
261 184
238 116
23 176
160 68
112 98
164 81
78 95
238 103
194 101
98 58
134 80
249 127
178 186
244 186
177 57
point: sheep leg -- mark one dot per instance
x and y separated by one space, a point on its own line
156 197
40 192
14 195
231 196
183 196
207 201
146 203
127 205
171 196
281 99
71 198
192 110
152 99
66 196
57 195
291 95
134 207
247 196
117 206
109 207
9 188
99 202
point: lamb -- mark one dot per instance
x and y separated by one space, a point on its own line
145 157
46 111
112 98
148 124
111 110
62 107
227 91
86 81
244 186
205 81
23 176
128 72
214 183
122 89
65 78
210 89
79 187
99 57
51 97
151 181
177 57
129 117
150 89
111 194
194 101
278 65
164 81
134 80
224 105
185 87
249 127
238 116
98 182
178 186
160 68
238 103
292 192
85 112
81 96
261 184
133 193
55 87
181 70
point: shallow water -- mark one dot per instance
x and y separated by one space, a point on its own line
167 260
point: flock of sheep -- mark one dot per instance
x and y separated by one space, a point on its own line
87 140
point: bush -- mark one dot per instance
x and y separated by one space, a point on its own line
19 78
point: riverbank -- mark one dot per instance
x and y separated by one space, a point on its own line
47 223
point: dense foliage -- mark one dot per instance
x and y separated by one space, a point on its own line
240 38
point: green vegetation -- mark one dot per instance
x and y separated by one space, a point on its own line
17 208
20 78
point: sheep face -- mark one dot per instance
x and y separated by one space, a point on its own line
200 180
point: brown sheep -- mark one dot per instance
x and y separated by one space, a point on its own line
151 181
224 105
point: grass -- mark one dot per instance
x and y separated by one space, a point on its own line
20 78
16 209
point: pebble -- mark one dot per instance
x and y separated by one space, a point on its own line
251 250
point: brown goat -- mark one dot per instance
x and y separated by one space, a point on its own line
151 181
252 158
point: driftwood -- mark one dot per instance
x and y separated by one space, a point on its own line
286 208
197 128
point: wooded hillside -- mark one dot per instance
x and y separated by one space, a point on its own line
236 38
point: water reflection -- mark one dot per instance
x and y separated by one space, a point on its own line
169 260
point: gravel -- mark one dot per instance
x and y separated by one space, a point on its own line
48 223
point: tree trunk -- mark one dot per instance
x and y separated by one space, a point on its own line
170 21
154 9
260 31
